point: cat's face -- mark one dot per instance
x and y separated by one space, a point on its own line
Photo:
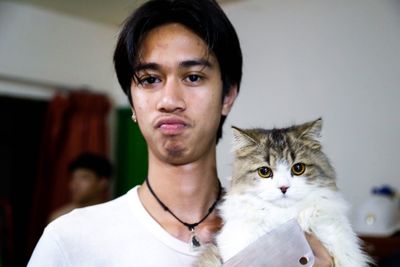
281 166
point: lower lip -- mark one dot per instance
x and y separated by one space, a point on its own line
172 129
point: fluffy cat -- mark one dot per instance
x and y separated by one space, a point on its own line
278 175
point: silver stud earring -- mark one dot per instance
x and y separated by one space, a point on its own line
134 117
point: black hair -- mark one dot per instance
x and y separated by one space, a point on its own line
204 17
100 165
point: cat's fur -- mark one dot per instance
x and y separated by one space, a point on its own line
253 205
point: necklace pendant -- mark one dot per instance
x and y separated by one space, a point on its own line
194 242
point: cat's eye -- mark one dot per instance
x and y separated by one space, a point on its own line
264 172
298 169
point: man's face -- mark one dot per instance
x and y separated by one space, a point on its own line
86 187
177 95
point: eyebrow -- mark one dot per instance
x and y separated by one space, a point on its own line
147 66
195 62
184 64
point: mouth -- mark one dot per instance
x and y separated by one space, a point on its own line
171 126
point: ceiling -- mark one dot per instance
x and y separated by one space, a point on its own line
111 12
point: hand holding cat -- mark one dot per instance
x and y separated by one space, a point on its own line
321 254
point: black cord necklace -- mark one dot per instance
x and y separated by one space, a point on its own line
194 241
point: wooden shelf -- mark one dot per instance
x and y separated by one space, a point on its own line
381 247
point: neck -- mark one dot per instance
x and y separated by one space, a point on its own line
188 190
190 226
186 187
191 186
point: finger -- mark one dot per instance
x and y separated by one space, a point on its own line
322 256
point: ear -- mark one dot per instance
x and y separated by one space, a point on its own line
311 131
229 99
241 139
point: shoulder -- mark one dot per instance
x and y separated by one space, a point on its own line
61 211
85 224
86 233
97 214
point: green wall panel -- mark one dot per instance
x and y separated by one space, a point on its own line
131 165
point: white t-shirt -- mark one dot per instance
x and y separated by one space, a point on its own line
116 233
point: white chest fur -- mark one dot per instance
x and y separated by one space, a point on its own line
248 218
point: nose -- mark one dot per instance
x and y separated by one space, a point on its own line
172 98
284 189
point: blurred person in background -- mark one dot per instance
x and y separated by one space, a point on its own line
90 176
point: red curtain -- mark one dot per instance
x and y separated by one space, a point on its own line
75 123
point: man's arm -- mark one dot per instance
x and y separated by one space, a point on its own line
47 252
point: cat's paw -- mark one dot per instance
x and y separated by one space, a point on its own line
306 218
209 257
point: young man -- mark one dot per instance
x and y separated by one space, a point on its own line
89 183
179 62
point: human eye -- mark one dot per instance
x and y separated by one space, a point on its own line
148 80
194 79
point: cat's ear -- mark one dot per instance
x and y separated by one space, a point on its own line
311 132
242 139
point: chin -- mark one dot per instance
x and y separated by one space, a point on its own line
174 148
175 153
180 157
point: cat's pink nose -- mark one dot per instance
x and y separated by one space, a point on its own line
284 189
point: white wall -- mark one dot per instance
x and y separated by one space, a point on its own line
43 45
336 59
